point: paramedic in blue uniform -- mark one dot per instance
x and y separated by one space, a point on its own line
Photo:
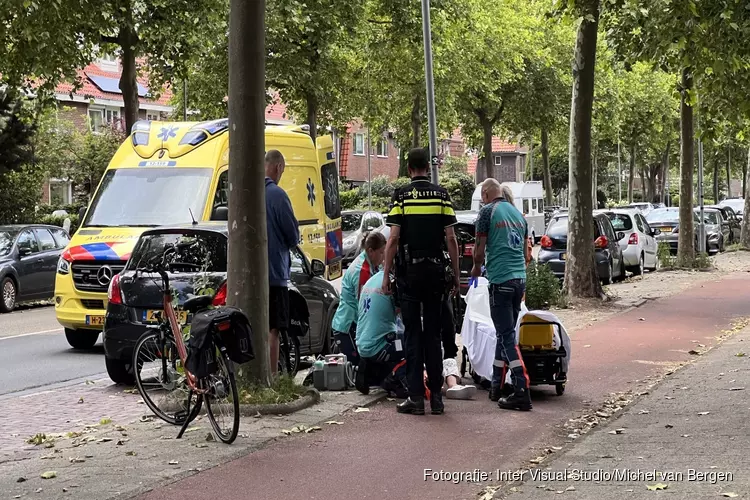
502 233
360 271
421 217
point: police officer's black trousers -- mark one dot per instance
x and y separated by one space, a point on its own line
421 298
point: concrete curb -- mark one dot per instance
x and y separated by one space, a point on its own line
310 398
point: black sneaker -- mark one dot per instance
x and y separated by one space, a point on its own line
360 380
411 407
495 393
436 404
520 400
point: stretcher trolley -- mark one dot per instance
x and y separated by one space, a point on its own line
542 342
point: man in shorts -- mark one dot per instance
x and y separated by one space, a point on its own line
283 235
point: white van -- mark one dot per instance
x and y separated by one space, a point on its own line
529 200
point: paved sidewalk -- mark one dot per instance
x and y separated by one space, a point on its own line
689 436
381 454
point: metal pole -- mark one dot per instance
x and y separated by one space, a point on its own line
369 172
619 174
184 99
531 161
701 225
431 120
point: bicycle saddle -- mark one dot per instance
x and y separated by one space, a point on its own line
195 304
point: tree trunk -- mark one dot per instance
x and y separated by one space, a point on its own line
248 241
729 172
594 180
686 242
745 233
631 174
312 116
644 193
664 173
581 278
416 121
545 168
716 178
128 40
487 166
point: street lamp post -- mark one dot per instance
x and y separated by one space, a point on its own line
431 120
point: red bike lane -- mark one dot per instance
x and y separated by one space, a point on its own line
381 454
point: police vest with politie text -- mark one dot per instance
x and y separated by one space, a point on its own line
423 210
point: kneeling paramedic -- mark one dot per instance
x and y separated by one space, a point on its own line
380 347
420 219
360 271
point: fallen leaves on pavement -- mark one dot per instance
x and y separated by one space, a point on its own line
361 410
334 422
50 474
729 494
657 486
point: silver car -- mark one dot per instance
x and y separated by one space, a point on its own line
638 244
667 220
354 223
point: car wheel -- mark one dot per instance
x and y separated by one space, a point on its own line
119 371
81 339
638 270
8 294
721 244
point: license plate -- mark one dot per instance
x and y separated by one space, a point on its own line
666 230
150 316
95 320
334 270
562 256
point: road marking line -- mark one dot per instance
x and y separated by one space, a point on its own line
32 333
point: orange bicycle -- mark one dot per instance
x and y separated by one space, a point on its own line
168 388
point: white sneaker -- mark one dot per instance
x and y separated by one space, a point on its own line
461 392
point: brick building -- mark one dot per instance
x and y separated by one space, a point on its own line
508 162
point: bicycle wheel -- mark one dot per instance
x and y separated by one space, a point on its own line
222 400
289 354
160 379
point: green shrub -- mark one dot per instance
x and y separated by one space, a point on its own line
379 203
675 200
460 187
542 287
400 182
350 198
381 186
59 221
664 256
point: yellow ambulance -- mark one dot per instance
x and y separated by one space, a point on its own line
167 173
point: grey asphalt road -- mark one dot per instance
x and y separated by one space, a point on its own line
34 352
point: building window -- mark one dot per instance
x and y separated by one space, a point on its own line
108 62
383 148
152 116
359 144
60 192
103 116
498 160
96 118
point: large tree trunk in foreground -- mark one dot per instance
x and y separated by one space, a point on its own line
545 168
686 242
312 116
716 179
631 174
248 241
486 165
745 233
128 40
581 279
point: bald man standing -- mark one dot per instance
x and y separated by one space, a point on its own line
501 234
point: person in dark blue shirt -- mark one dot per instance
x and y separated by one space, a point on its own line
283 235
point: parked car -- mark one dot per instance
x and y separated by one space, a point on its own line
736 204
644 207
28 261
610 264
134 297
354 224
639 244
667 221
730 219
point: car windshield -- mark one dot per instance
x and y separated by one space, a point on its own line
663 216
621 222
710 217
558 227
194 251
149 197
6 242
372 221
350 222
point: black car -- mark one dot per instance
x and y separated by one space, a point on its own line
610 264
731 224
28 261
202 269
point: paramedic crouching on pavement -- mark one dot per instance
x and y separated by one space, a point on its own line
420 218
502 230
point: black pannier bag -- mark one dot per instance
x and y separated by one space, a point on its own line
201 357
237 337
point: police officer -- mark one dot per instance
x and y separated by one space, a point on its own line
421 217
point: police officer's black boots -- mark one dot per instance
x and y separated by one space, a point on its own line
436 404
519 400
497 392
411 407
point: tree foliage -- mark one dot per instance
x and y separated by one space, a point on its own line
16 131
